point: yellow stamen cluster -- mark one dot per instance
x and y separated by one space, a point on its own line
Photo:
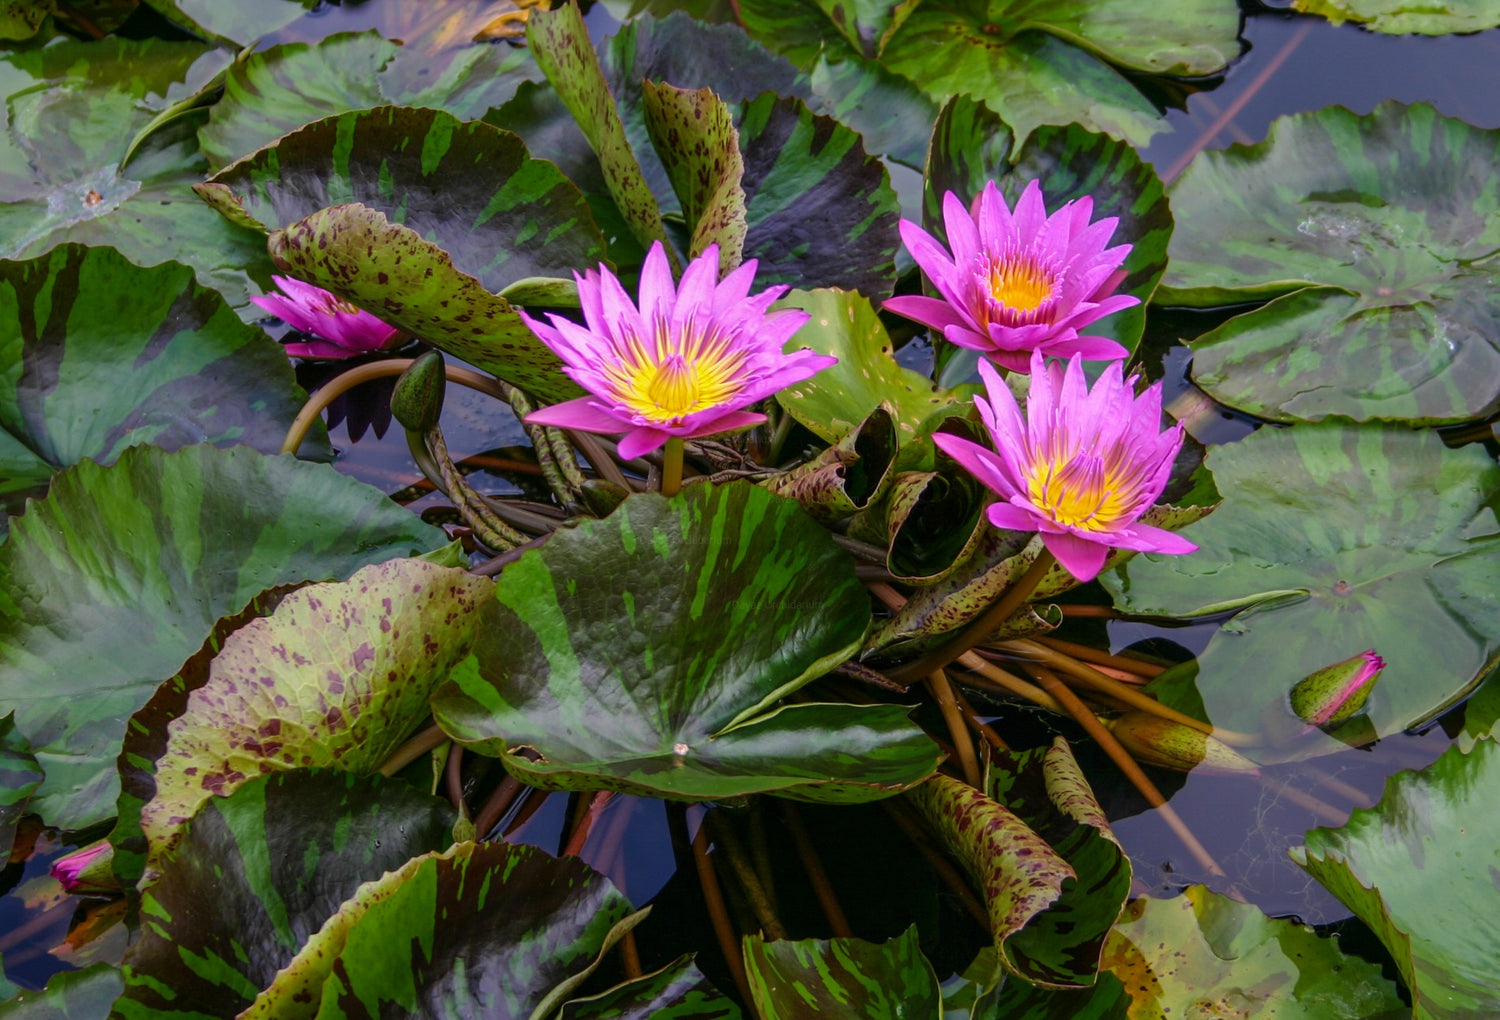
673 376
1019 283
1079 492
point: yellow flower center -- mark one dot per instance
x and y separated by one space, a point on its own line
1080 492
667 384
1018 282
335 305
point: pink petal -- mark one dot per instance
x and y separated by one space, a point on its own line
979 462
641 441
928 311
1009 517
1146 538
1080 557
582 413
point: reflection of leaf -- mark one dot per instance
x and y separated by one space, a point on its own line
181 367
1333 539
1392 217
71 995
493 926
841 978
337 676
257 873
72 111
1419 868
644 652
114 579
971 146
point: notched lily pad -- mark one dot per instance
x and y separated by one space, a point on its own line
337 676
645 652
112 581
1332 540
1390 222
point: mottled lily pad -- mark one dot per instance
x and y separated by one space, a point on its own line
841 978
258 873
645 652
678 991
972 146
73 109
114 579
1402 17
181 367
1054 877
1419 868
1376 234
1332 540
336 677
502 929
471 189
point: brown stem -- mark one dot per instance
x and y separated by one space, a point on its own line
813 864
585 822
430 738
497 804
603 464
718 913
963 743
1010 683
453 780
978 725
1100 657
1091 613
977 630
739 863
1127 765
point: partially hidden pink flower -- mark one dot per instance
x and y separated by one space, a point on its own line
1018 282
684 363
89 869
343 330
1080 467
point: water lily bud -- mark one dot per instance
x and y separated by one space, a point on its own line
1157 741
90 869
417 400
1337 693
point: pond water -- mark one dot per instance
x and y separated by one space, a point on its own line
1293 64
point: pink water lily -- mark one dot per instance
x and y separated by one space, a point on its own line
1080 467
684 363
1018 282
342 330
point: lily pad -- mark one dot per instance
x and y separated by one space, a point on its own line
1053 875
972 146
240 23
258 873
338 676
412 283
72 995
842 979
471 189
19 775
1332 540
645 652
112 581
1401 17
73 109
833 402
181 367
1392 219
678 991
1419 868
496 927
1202 954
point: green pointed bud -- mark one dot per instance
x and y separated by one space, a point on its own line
417 401
1337 693
89 870
1157 741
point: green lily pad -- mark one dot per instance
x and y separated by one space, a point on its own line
73 110
497 928
1202 954
1419 868
22 19
1392 220
1400 17
1053 875
239 24
410 282
112 581
338 676
891 114
678 991
1332 540
849 978
257 873
84 994
644 653
972 146
833 402
19 776
181 367
278 89
471 189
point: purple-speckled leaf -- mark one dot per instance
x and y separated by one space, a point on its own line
337 676
693 134
848 476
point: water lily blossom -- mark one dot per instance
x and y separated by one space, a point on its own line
684 363
1080 467
341 329
1018 281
